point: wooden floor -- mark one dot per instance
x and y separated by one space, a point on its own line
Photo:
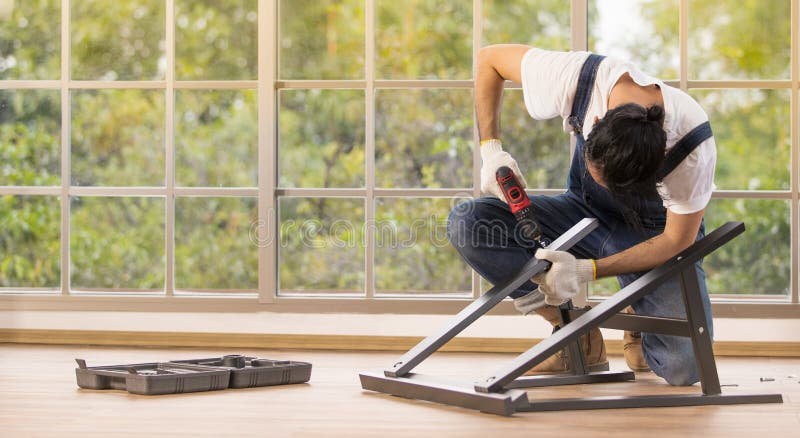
39 397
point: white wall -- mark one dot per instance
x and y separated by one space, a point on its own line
726 329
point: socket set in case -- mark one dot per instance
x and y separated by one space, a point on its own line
193 375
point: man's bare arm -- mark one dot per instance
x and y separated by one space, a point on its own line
679 233
496 64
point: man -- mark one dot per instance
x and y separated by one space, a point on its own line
643 166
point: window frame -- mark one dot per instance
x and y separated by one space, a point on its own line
267 192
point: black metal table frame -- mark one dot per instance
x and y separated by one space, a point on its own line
499 392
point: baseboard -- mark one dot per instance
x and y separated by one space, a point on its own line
335 342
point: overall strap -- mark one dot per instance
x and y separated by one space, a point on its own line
584 93
684 147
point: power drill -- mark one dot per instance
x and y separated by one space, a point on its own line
520 204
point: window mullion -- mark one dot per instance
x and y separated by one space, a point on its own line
267 151
579 13
169 144
477 37
369 148
683 37
795 155
65 147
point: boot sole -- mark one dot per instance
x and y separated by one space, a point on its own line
640 370
593 368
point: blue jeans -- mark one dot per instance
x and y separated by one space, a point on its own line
483 231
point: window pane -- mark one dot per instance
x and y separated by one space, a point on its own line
321 39
604 287
412 252
731 39
540 23
117 40
30 39
485 285
322 246
118 137
30 246
423 138
752 132
321 138
423 39
117 243
541 147
644 32
216 138
30 138
216 39
213 249
758 261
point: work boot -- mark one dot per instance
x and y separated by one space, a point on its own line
632 349
594 349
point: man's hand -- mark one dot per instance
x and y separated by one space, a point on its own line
565 277
494 157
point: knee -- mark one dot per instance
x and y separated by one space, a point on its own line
461 219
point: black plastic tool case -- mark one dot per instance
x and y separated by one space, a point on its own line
192 375
258 372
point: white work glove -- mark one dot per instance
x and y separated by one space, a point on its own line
529 302
494 157
565 277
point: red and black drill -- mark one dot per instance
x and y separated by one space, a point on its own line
520 204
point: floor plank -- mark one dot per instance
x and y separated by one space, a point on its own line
39 397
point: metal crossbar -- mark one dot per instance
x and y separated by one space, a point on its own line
498 393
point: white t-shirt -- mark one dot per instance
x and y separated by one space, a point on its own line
549 84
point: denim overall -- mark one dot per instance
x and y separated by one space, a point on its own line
484 233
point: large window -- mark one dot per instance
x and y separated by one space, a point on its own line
286 149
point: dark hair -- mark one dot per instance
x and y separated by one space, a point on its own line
627 146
